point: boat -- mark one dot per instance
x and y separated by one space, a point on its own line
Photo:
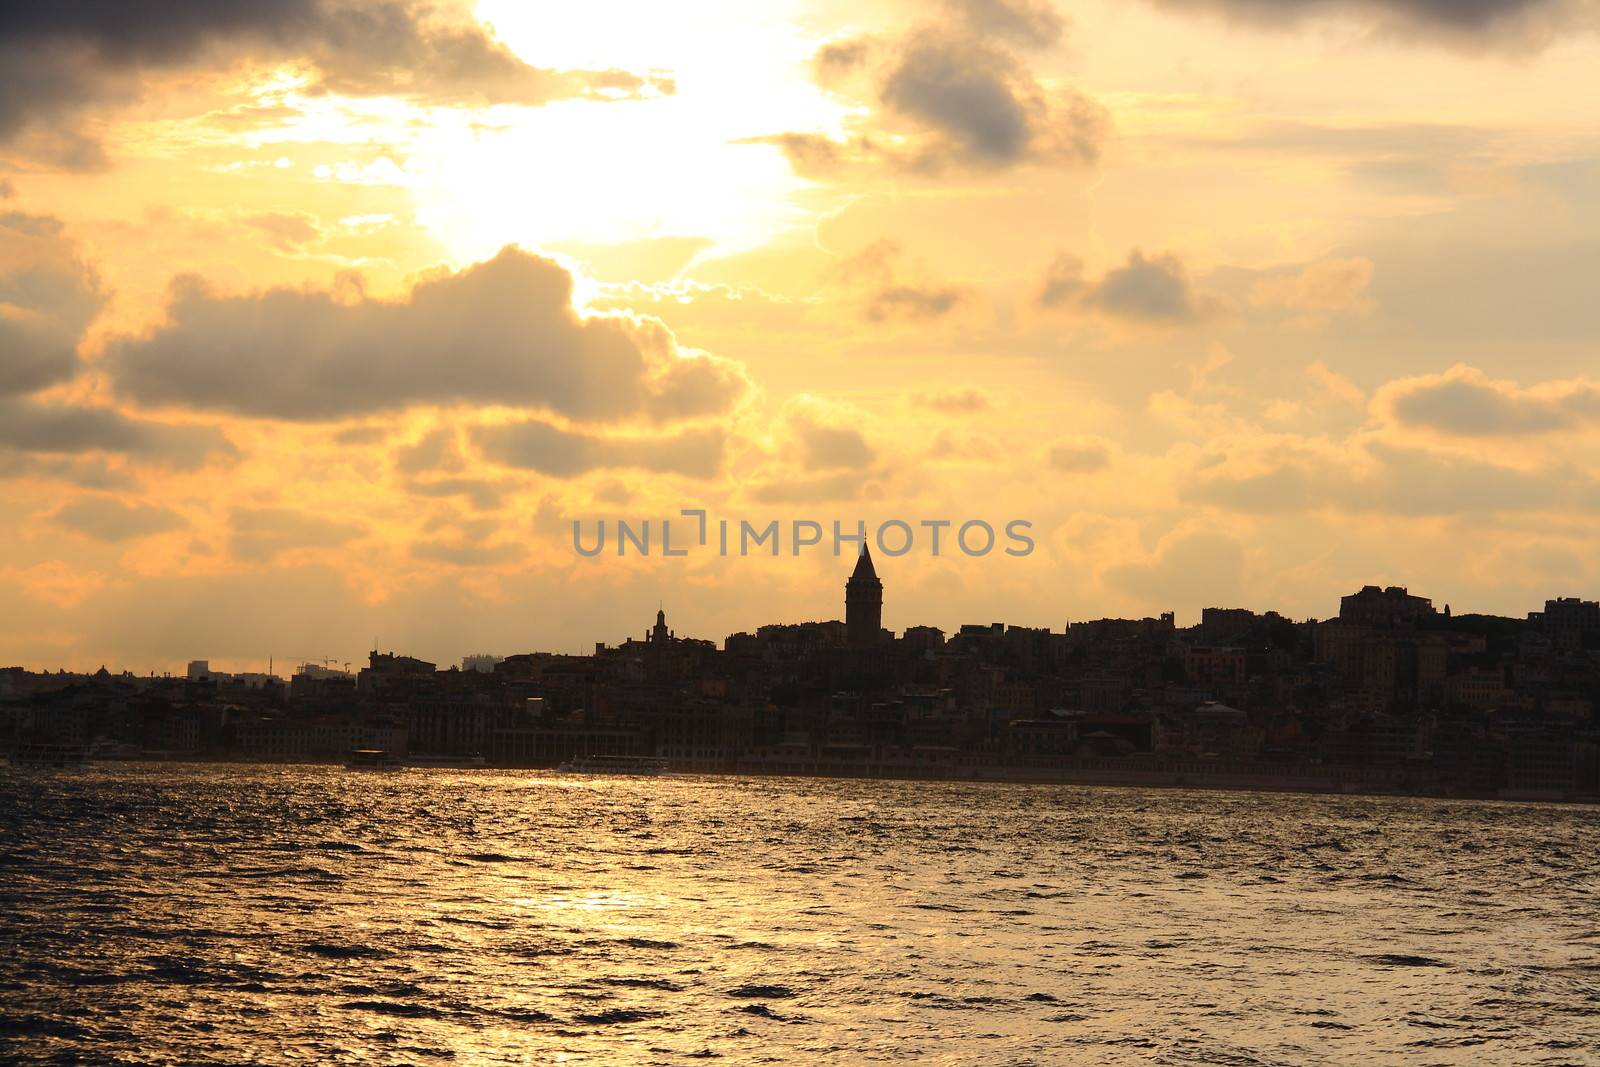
613 765
43 756
462 761
372 759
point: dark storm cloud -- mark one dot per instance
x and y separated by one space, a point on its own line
1509 21
47 297
500 332
539 446
57 58
1154 289
109 519
66 429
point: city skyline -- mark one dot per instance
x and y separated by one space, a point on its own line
863 583
1391 694
309 332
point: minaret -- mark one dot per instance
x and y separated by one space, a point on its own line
863 602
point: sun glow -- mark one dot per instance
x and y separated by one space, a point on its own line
677 165
572 172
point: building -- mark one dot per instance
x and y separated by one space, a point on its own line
863 602
1570 624
199 670
1391 608
1225 625
659 635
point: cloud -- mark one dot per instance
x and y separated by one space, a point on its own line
1324 286
48 295
816 155
289 231
536 445
57 60
876 269
951 401
1080 455
503 331
813 488
261 534
481 493
1465 402
824 436
86 472
965 93
1505 22
37 426
817 452
109 519
691 386
1063 281
951 94
436 450
1331 383
1028 23
437 453
1290 476
912 302
1151 289
464 554
970 449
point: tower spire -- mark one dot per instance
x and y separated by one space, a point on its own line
863 601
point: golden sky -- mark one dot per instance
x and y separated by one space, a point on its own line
321 320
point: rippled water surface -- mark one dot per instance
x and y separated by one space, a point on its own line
178 914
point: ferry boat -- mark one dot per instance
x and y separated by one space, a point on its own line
613 765
373 759
465 761
44 756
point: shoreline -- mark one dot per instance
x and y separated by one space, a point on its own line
1118 778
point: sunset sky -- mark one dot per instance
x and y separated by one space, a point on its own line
321 321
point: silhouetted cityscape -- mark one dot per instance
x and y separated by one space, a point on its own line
1389 695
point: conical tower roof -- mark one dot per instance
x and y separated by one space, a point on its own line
864 565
